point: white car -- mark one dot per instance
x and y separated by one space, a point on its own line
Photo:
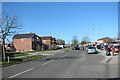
91 49
60 46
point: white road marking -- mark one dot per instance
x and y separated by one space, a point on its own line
20 73
47 62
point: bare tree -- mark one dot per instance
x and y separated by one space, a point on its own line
75 41
8 26
85 38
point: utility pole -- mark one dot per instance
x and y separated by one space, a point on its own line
96 31
86 37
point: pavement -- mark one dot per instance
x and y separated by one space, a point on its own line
67 64
109 59
46 53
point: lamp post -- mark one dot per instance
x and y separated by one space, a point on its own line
95 29
86 38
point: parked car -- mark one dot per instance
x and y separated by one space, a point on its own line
94 46
91 49
117 48
76 48
60 46
87 47
98 46
111 48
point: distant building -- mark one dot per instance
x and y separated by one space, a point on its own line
49 41
54 45
60 42
27 42
104 41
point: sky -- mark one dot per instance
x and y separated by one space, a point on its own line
63 20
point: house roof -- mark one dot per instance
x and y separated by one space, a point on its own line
46 37
104 38
18 36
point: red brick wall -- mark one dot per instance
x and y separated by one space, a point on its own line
23 45
47 42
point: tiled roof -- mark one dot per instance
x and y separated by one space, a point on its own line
18 36
46 37
104 38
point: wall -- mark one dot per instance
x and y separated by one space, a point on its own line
24 44
47 43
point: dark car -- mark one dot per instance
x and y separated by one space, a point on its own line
117 48
76 48
99 46
111 47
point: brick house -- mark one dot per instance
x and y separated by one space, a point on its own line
53 40
54 45
27 42
49 42
105 40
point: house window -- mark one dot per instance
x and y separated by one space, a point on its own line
33 46
22 40
33 40
39 40
44 41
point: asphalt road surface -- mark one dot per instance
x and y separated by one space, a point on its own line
68 64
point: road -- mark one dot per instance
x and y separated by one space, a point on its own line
68 64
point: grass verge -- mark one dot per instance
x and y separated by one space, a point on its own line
24 53
64 49
48 50
20 54
20 60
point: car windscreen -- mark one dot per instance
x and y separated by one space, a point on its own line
91 48
98 46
